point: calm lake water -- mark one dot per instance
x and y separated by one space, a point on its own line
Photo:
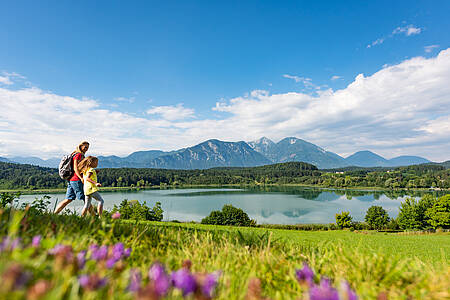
272 205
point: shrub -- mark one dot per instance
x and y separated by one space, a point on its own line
136 211
8 198
344 220
377 217
229 215
412 212
439 214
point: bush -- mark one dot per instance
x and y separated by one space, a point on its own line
8 198
439 214
376 217
412 212
136 211
229 215
344 220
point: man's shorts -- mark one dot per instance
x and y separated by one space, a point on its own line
75 190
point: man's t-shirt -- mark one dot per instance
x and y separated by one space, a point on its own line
79 157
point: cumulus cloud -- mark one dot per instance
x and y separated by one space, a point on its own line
430 48
172 113
401 109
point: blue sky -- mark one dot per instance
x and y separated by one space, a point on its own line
169 63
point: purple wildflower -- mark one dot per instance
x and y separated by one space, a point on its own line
118 251
351 295
36 241
15 244
161 280
210 283
111 262
100 253
9 244
62 251
324 291
116 215
127 252
93 248
15 277
184 280
92 282
81 259
305 275
135 280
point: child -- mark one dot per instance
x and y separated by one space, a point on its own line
91 186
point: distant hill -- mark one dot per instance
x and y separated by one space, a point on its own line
210 154
4 159
366 159
36 161
370 159
294 149
139 159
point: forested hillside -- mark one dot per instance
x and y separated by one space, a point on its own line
17 176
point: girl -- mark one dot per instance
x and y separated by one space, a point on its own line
75 185
91 186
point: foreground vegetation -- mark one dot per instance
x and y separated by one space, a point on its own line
16 176
42 257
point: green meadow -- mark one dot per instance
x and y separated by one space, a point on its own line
393 266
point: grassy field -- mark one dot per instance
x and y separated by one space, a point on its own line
374 264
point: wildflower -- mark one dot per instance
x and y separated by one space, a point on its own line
351 295
115 215
305 275
15 277
184 280
111 262
81 259
127 252
160 279
209 284
15 244
92 282
118 251
147 293
63 253
36 241
135 280
100 253
324 291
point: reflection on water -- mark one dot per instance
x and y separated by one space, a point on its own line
274 205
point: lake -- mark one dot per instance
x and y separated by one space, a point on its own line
271 205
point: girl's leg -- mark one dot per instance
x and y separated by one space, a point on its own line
99 198
87 204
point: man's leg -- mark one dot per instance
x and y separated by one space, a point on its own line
61 205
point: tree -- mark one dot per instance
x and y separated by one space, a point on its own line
377 217
344 220
439 214
412 212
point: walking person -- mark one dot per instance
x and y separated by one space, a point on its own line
91 186
75 184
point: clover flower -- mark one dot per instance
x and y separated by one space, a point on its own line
157 274
100 253
115 215
92 282
135 280
305 275
324 291
184 280
36 241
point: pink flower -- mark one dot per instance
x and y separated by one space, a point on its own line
116 215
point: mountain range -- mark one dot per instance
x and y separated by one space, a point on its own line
215 153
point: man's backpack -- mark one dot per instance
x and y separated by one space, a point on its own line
66 167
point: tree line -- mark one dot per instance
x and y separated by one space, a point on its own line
18 176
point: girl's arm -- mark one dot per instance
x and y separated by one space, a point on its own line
88 178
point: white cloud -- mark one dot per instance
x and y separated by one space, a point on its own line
335 77
430 48
125 99
407 30
401 109
376 42
296 78
171 113
5 80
